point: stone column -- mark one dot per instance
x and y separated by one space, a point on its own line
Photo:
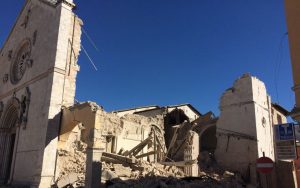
93 159
93 167
191 152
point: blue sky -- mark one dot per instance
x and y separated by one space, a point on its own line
176 51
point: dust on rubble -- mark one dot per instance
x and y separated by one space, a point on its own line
71 162
141 174
148 175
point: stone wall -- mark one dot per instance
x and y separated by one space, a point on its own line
107 131
245 128
48 29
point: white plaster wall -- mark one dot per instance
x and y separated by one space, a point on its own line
188 112
152 113
132 111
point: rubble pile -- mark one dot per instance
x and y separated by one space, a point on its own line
139 170
139 173
208 163
157 175
166 182
146 162
72 165
143 174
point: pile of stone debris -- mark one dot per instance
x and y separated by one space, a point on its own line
119 171
71 166
156 175
140 169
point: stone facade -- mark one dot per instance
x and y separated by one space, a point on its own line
245 127
38 68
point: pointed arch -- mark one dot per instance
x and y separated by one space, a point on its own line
8 126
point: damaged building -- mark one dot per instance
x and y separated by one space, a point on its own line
180 136
109 137
131 136
46 140
245 129
37 108
178 114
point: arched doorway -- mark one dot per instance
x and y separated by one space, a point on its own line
8 131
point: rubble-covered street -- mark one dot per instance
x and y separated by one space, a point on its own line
139 173
187 91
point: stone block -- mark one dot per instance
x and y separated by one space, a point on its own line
67 180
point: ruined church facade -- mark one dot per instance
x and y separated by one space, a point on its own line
38 68
38 117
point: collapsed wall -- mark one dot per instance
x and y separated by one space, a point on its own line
136 173
116 137
132 150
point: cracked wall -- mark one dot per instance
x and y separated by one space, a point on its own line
245 127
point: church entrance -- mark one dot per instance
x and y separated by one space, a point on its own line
7 142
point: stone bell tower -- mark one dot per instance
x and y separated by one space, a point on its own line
38 69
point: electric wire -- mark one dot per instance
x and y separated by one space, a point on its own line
90 59
90 40
278 62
